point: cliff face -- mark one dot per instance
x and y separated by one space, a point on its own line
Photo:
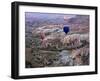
48 46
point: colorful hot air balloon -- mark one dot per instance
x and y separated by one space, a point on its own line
66 29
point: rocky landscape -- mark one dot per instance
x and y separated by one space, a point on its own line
47 45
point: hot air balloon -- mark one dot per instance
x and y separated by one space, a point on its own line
66 29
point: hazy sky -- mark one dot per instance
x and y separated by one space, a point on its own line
50 15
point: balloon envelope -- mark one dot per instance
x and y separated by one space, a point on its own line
66 29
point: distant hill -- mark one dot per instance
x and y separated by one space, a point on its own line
79 19
40 19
